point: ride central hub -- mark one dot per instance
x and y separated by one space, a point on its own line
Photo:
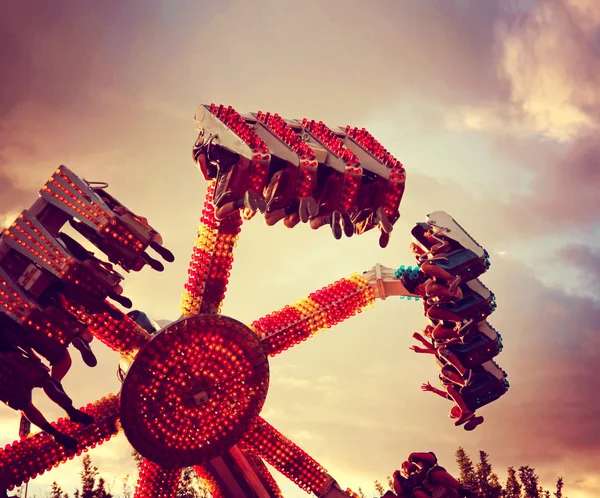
192 392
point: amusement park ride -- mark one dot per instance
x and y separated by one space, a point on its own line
192 392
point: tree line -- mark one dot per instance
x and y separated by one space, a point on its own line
93 485
521 482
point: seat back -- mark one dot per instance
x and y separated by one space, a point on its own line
483 347
442 223
484 389
464 263
477 302
30 238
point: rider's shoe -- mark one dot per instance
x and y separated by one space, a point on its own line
464 417
87 355
336 224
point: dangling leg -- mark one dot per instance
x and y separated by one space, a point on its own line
452 376
436 313
81 342
384 239
439 272
63 400
452 359
61 366
441 333
465 414
36 418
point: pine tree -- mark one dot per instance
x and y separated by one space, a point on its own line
559 487
379 487
495 486
57 492
482 473
88 478
361 493
101 491
512 488
467 473
530 482
488 485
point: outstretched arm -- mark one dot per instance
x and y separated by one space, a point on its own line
422 340
428 387
428 349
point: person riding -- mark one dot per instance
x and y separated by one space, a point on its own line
421 477
438 249
459 411
434 295
21 372
445 355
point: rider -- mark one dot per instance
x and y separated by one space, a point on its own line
435 294
439 247
459 411
22 373
422 477
446 356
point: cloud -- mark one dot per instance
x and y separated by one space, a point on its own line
586 260
549 57
110 91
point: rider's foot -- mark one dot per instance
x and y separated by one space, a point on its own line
347 224
163 251
153 263
384 239
383 221
307 209
67 441
80 417
336 224
87 355
122 300
472 424
464 417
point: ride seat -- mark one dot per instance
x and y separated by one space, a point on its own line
463 263
480 349
472 305
487 386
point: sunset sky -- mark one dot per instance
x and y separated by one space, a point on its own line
494 109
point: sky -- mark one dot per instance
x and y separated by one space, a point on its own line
494 109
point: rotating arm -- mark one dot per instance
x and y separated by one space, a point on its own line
211 261
124 336
326 307
267 442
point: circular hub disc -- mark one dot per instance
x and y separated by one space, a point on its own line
192 391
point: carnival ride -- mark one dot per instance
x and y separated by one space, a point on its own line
193 391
